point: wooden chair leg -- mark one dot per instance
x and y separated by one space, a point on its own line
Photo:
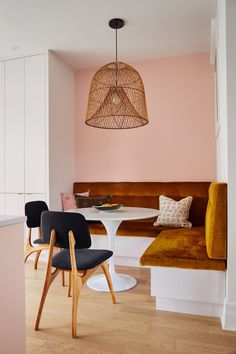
36 259
48 281
50 276
69 285
28 245
109 282
28 252
62 278
76 287
76 283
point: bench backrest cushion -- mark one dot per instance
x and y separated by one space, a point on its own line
146 194
216 221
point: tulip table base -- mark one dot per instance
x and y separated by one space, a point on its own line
120 282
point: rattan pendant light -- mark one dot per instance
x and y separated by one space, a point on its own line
116 97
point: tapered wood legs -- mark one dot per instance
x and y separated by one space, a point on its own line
109 282
69 285
29 249
63 278
50 276
77 278
76 287
36 249
76 283
36 259
48 282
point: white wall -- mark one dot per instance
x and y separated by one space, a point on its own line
221 145
227 141
61 130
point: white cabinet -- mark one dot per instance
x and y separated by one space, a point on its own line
33 197
35 117
2 145
37 131
2 203
62 133
14 126
15 203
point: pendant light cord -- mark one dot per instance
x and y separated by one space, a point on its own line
116 61
116 45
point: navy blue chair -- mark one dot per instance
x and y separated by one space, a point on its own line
69 231
33 211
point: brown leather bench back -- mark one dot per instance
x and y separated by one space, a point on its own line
146 194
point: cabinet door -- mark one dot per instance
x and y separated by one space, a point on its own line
2 167
15 204
30 197
2 204
35 116
14 126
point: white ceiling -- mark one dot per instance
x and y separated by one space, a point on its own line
78 31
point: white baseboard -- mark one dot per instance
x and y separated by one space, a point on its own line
228 319
190 307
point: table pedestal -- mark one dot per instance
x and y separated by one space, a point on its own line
120 282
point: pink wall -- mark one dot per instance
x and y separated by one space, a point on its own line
179 142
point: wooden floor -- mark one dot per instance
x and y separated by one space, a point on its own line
132 326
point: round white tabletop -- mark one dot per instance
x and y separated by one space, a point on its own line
111 221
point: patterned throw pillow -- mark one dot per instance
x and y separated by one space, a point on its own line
86 202
68 200
173 213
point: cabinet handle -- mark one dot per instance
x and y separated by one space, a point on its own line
29 193
20 193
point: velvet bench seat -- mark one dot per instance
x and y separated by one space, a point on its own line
187 265
202 247
181 248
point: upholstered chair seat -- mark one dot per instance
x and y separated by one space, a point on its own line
39 241
85 258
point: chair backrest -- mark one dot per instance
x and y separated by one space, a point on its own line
33 211
62 223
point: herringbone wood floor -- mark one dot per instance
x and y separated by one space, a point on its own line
132 326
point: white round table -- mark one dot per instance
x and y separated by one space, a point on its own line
111 221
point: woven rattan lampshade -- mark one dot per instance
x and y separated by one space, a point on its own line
116 97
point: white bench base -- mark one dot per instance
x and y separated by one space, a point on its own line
199 292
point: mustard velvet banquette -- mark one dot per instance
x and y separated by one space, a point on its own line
201 247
